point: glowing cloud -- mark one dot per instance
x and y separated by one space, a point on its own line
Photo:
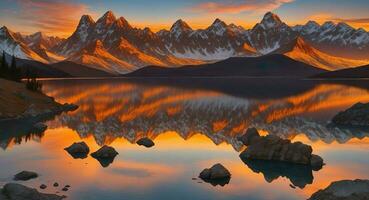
55 16
238 6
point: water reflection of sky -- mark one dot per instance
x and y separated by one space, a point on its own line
193 129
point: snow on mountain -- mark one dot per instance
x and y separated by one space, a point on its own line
218 41
13 44
303 52
270 34
337 39
112 44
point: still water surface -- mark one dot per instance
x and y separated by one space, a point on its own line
194 124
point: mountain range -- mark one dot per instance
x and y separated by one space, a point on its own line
113 46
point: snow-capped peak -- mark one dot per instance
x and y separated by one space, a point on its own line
344 27
179 27
107 19
271 20
218 27
310 27
5 32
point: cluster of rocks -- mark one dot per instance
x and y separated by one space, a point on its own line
344 190
105 155
274 148
216 175
14 191
34 112
146 142
357 115
64 189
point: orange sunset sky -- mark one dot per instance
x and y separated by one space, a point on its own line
57 17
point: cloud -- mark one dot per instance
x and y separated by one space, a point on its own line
238 6
51 16
353 20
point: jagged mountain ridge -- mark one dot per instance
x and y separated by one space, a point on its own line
298 49
130 48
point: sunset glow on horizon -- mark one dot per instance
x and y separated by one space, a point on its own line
60 18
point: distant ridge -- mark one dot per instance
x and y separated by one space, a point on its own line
275 65
357 72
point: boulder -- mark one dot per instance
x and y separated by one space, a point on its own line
344 190
316 162
14 191
25 176
216 175
250 136
147 142
357 115
78 150
105 155
272 147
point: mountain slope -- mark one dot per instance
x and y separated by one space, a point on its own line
299 50
12 44
357 72
96 56
339 39
265 66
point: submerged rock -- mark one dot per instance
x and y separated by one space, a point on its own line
105 155
147 142
272 147
357 115
344 190
14 191
25 176
216 175
78 150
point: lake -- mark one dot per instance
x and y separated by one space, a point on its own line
194 123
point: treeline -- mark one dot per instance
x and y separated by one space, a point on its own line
11 72
14 73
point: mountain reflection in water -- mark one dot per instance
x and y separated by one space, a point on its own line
133 109
194 124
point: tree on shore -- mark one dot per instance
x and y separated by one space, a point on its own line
11 73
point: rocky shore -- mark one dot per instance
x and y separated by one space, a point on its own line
344 190
18 103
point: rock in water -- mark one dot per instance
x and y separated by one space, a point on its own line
14 191
25 176
105 155
250 136
316 162
272 147
216 175
344 190
357 115
78 150
147 142
43 186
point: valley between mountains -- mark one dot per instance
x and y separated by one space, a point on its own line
112 46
